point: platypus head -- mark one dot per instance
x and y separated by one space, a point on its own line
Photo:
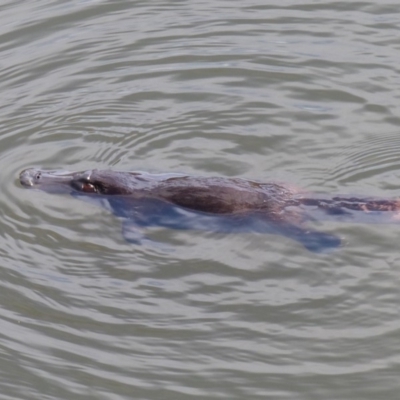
87 182
49 181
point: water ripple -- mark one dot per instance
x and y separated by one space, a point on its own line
301 93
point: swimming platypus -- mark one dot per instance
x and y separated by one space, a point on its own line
207 203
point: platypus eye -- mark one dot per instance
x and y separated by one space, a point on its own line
88 188
38 175
83 186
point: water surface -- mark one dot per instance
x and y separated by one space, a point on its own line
301 93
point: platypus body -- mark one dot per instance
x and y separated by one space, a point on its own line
207 203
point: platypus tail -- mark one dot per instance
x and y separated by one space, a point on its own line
339 205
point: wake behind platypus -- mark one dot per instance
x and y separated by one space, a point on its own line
210 203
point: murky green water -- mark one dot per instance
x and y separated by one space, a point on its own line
305 93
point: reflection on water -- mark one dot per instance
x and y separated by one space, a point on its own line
301 93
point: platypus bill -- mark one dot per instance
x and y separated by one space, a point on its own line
207 203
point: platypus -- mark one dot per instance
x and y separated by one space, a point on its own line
208 203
